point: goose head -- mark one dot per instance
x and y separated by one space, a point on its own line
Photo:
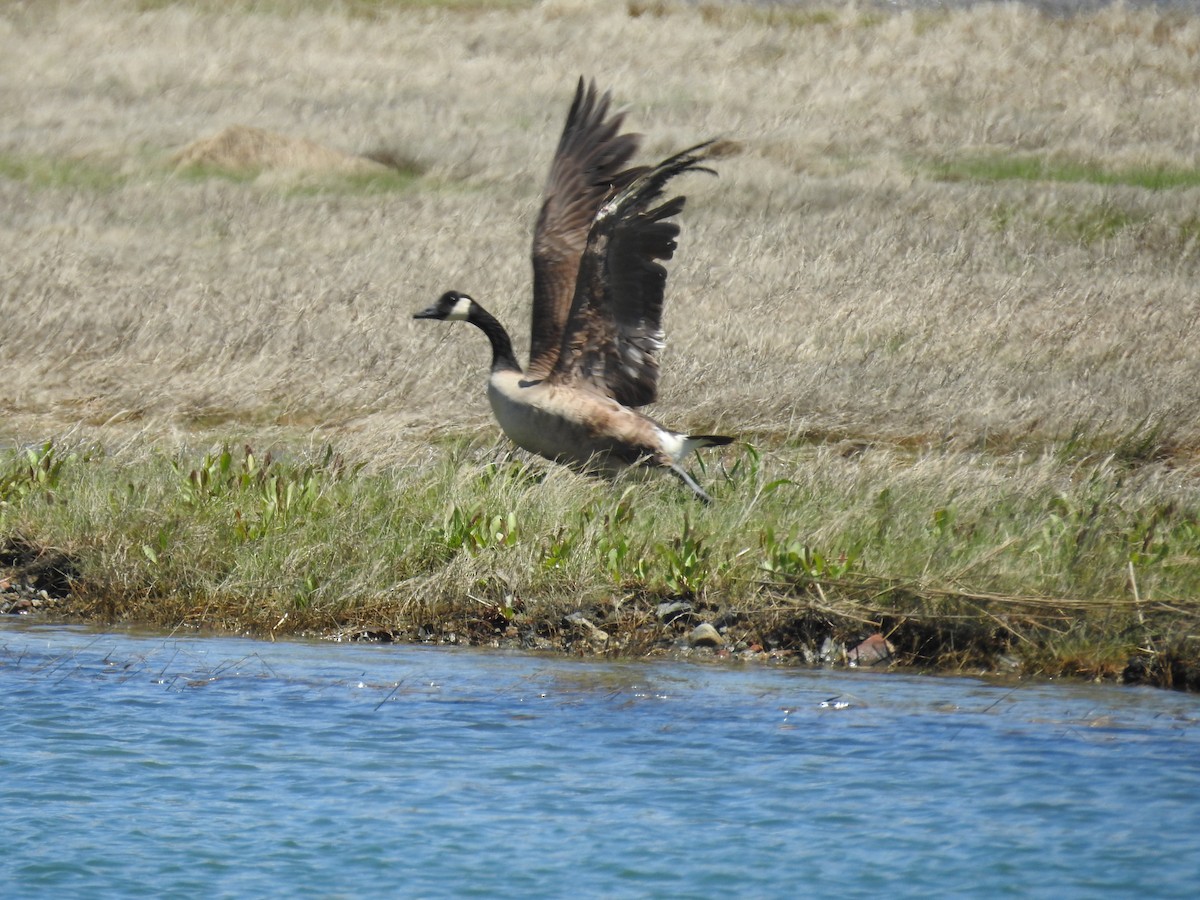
452 306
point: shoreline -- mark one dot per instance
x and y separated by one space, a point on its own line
44 586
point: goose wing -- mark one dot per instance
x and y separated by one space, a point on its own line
614 334
588 168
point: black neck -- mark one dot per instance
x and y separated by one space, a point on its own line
502 351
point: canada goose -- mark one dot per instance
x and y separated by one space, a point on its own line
597 305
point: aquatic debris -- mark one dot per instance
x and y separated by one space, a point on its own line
833 703
875 649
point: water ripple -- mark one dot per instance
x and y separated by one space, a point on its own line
224 767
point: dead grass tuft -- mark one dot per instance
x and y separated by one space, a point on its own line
244 150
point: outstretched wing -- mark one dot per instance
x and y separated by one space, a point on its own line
614 334
588 168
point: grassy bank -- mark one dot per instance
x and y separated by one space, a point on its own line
1045 566
944 290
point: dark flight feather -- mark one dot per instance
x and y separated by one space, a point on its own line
613 333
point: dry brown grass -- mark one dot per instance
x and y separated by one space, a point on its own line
244 150
827 283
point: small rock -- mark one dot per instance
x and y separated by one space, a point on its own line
875 649
581 622
704 635
670 611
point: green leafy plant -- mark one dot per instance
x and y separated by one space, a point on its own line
476 531
621 556
561 544
685 561
264 493
156 550
38 470
793 560
941 522
306 591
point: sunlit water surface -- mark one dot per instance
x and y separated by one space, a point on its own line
215 767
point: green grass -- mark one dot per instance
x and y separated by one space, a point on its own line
1034 168
961 561
59 172
43 172
227 173
1084 222
1087 222
353 9
1094 222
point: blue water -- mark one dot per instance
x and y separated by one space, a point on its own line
204 767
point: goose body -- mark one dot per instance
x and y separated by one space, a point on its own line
581 427
597 310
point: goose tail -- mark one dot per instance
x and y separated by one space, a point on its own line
686 444
698 441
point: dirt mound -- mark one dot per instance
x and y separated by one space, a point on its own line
242 148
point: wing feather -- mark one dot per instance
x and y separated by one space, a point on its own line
613 333
588 167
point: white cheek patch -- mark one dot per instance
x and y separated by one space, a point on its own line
461 310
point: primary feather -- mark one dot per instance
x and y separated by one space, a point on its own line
613 334
588 167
